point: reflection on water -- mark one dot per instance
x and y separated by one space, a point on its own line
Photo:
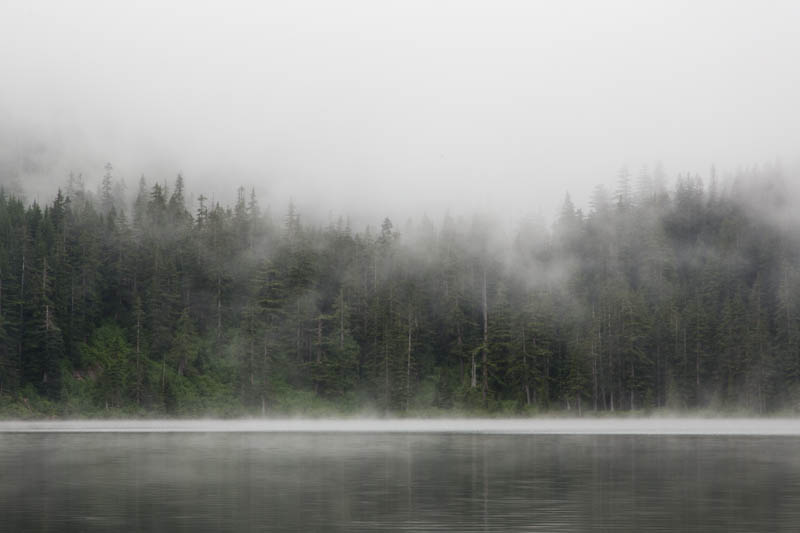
351 481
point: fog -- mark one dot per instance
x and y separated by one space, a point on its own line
397 482
394 108
659 425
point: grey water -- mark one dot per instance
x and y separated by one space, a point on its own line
424 477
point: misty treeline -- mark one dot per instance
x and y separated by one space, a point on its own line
683 296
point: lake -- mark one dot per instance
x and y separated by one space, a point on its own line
403 475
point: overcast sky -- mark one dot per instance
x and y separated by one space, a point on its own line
392 108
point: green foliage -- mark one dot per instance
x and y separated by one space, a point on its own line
106 363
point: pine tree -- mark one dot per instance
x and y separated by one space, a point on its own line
106 190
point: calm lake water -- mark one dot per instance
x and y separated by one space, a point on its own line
248 480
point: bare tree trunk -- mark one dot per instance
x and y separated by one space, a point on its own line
658 374
341 319
319 339
408 362
83 306
685 356
22 295
525 366
460 350
297 335
265 366
633 377
697 370
44 297
485 342
219 306
319 351
138 371
610 351
600 367
594 377
119 281
474 371
762 405
547 379
386 372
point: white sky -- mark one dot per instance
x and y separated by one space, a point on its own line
395 108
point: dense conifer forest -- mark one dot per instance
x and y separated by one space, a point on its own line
680 296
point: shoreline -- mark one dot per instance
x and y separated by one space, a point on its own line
665 426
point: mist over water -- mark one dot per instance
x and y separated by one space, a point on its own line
476 426
233 481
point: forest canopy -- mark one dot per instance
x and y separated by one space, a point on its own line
683 296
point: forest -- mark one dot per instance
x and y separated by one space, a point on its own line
681 295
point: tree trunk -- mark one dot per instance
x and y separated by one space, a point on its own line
697 369
219 307
658 374
525 367
485 343
83 307
22 298
138 371
319 339
594 377
341 319
460 350
408 363
474 371
386 372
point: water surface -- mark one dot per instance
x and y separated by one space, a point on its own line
508 478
